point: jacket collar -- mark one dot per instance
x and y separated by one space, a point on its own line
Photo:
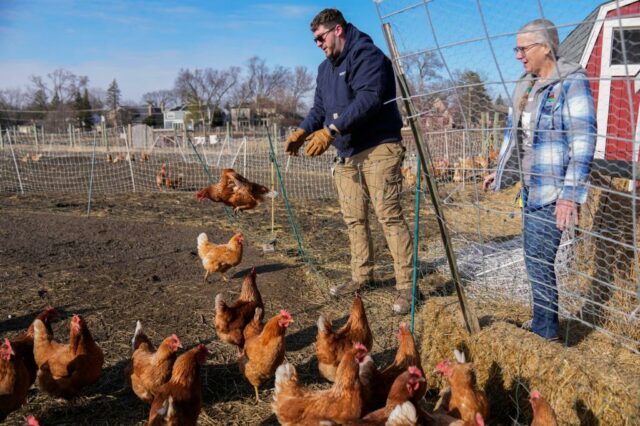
351 35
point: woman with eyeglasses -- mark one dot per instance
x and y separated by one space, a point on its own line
548 145
354 110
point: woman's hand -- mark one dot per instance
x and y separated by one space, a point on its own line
567 214
488 181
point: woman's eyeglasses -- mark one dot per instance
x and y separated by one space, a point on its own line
524 49
320 37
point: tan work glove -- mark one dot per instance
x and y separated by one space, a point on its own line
295 141
319 142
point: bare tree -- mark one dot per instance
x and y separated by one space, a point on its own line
422 69
204 90
12 101
301 86
262 82
15 98
160 98
62 84
97 97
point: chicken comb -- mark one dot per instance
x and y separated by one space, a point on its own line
535 394
360 347
177 339
51 312
413 370
5 350
443 365
253 271
285 314
202 350
32 421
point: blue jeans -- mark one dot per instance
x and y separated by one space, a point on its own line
541 242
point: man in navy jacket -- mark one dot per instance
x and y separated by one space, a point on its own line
354 110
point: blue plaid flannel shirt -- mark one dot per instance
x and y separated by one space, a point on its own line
564 141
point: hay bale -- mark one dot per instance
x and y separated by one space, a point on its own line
584 387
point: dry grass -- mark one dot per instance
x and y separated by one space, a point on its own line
586 386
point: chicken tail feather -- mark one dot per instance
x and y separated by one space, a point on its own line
324 324
257 316
286 375
403 415
168 408
202 241
40 335
271 194
139 337
219 302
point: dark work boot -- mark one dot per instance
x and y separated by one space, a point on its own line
402 305
348 287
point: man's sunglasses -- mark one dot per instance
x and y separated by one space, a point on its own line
320 37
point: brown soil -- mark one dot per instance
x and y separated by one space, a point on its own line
134 258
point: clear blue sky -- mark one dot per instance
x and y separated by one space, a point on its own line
143 44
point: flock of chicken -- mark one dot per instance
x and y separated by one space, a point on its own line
362 392
61 370
462 169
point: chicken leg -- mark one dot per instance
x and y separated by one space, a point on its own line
257 394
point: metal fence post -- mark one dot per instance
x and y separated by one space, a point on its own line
127 135
446 146
15 163
35 132
471 320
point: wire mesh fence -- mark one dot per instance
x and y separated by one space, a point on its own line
473 114
492 258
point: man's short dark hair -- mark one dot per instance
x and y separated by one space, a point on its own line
328 18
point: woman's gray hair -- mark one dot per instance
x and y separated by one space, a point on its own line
545 32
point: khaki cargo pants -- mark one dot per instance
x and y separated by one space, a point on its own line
374 175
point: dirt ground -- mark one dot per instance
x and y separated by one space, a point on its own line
134 258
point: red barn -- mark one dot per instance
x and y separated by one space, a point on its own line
601 43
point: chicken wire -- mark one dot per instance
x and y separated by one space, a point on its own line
455 78
455 96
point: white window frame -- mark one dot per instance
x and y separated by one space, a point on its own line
607 71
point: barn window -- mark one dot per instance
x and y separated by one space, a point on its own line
631 38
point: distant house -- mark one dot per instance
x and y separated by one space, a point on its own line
241 117
252 116
438 118
149 115
600 44
25 129
174 118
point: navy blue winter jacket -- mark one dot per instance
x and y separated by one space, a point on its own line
351 92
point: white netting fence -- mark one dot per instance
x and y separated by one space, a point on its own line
462 82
